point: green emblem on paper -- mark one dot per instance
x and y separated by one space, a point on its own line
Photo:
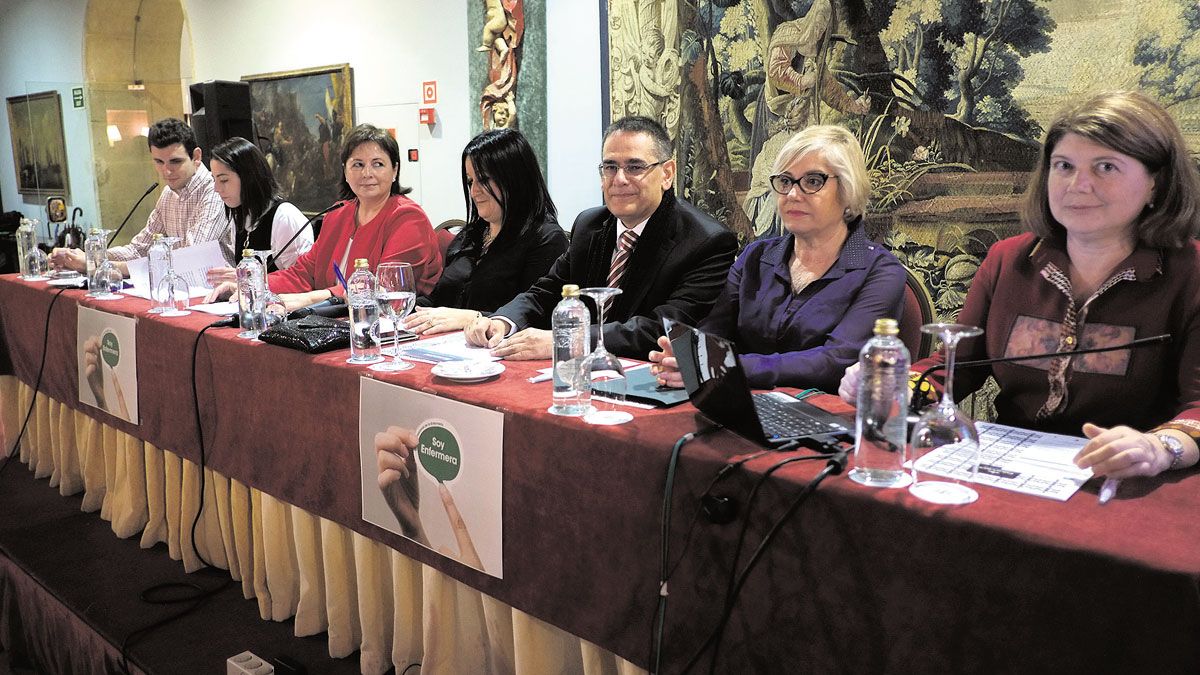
110 349
438 450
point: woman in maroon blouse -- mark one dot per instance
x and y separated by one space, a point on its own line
1114 207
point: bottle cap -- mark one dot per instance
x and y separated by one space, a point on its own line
886 327
570 291
247 253
361 263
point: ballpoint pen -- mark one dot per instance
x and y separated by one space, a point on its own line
337 271
1109 489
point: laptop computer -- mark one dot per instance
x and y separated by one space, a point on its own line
716 384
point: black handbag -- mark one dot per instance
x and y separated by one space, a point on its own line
312 334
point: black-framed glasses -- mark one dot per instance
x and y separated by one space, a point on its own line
631 169
810 183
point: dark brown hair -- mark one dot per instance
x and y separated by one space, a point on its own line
1132 124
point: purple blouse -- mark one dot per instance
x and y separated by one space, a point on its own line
805 339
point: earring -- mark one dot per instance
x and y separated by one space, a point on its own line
1150 206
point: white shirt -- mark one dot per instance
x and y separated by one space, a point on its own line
287 220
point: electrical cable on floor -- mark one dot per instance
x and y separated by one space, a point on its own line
36 386
198 594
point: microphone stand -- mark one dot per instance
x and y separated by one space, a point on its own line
1133 344
271 258
130 214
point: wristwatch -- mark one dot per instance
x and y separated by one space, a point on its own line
1173 446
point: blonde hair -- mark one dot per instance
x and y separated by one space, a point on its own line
1132 124
841 150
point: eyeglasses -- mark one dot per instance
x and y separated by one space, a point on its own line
810 183
632 169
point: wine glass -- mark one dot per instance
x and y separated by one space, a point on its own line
175 293
945 443
396 293
105 282
158 303
601 365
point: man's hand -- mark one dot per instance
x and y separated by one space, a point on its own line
68 259
665 366
485 332
525 345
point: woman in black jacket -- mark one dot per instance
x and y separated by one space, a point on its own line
511 238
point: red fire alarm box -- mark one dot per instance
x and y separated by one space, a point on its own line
427 115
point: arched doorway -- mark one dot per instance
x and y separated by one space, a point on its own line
135 55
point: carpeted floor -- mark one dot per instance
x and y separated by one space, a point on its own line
78 560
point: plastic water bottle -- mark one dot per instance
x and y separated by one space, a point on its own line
95 251
364 311
882 408
571 324
251 292
26 242
159 261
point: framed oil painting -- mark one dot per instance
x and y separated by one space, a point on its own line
301 118
39 147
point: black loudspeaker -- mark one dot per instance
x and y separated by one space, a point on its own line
220 111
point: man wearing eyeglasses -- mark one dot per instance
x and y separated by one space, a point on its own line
668 258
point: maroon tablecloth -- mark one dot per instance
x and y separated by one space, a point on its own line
860 580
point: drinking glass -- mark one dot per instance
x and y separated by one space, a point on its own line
601 365
158 303
175 293
105 282
396 293
945 443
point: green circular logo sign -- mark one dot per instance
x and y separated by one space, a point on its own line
437 448
110 349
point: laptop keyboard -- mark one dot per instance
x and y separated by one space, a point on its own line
781 420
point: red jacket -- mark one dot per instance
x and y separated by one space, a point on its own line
400 232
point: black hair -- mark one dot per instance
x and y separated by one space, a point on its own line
167 132
259 188
505 156
638 124
369 133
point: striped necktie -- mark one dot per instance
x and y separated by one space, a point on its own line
624 248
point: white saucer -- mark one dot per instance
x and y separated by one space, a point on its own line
468 371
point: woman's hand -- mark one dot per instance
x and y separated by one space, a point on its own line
431 320
665 366
220 275
221 291
395 455
848 389
1122 452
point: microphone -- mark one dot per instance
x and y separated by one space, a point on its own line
333 307
1133 344
275 254
128 215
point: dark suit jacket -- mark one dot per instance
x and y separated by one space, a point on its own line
677 270
483 282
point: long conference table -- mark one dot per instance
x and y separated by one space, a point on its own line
858 581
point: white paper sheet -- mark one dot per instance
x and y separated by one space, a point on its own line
1021 460
448 347
190 262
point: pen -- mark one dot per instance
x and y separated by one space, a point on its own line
337 271
1109 489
